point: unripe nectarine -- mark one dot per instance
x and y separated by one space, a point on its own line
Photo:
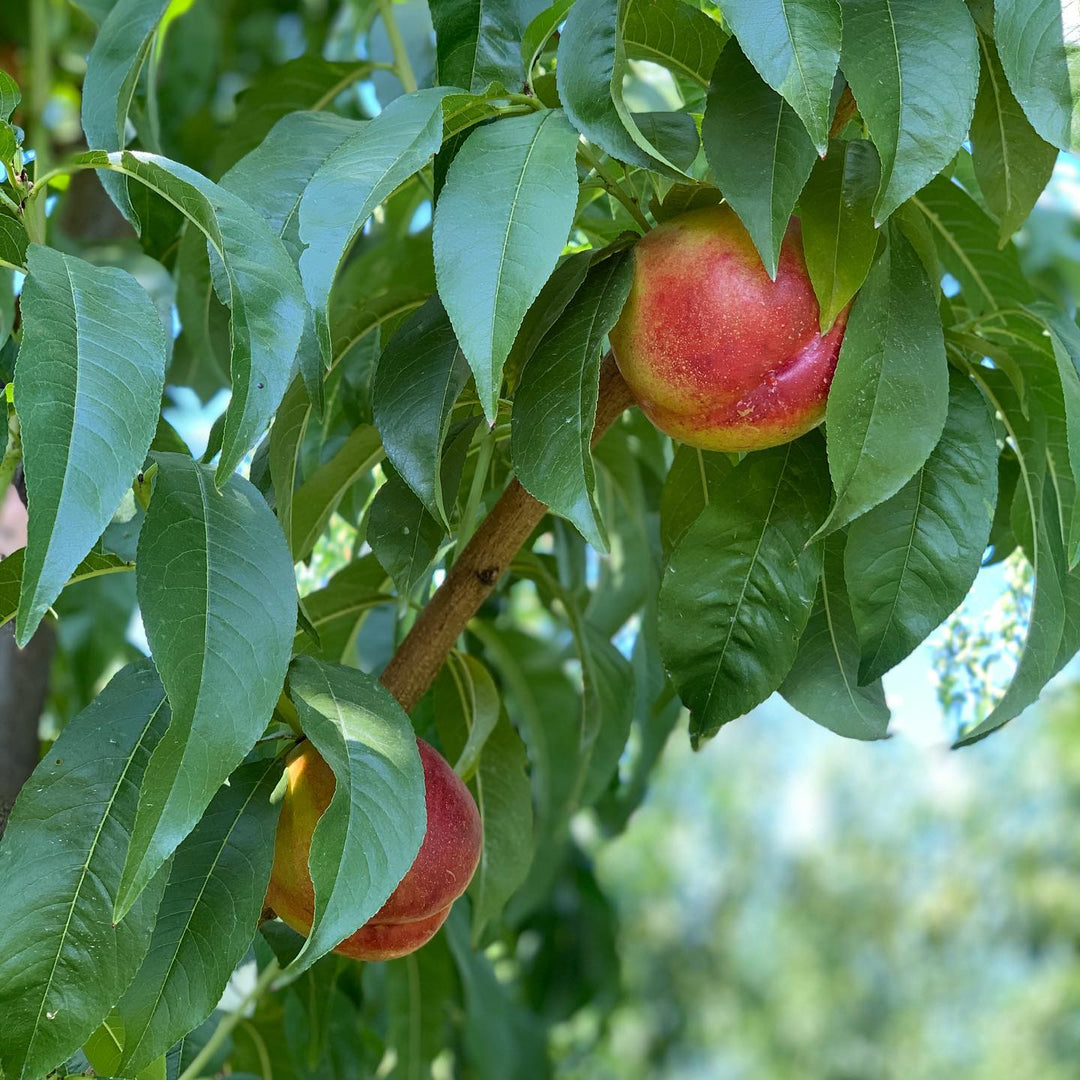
716 354
421 902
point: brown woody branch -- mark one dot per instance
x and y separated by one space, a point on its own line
480 566
845 110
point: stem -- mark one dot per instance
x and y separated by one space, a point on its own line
479 567
12 455
613 188
40 78
397 43
230 1021
526 99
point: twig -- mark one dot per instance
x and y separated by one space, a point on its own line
480 565
845 110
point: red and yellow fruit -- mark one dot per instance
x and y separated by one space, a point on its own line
421 902
716 354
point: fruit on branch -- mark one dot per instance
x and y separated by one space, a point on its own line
716 354
421 902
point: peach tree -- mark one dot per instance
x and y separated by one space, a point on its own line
437 256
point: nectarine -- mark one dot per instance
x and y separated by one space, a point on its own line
421 902
716 354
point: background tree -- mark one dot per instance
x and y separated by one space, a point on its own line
401 252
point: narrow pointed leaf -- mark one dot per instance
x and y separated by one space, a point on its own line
675 35
420 375
914 70
477 42
890 393
823 683
500 226
370 833
218 601
795 47
839 238
112 74
911 560
344 192
504 796
421 988
1039 43
555 404
88 384
1012 162
11 570
208 916
694 478
264 292
742 574
758 151
60 859
318 497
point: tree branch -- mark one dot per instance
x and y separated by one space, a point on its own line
480 566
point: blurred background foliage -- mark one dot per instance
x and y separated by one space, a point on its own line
785 903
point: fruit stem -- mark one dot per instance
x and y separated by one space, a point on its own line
230 1020
480 565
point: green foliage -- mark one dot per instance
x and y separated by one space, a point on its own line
403 264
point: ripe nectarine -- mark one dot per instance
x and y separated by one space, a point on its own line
421 902
716 354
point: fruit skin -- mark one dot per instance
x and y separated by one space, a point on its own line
419 905
716 354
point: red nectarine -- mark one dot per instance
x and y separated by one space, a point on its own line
421 902
716 354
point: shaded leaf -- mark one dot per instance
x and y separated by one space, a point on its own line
694 478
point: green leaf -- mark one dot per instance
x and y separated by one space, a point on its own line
264 291
466 710
420 375
795 47
88 387
11 570
336 609
10 96
403 535
536 35
1012 163
911 560
839 238
421 988
914 71
477 42
315 501
758 150
306 83
890 393
504 796
555 404
823 683
744 573
500 226
967 240
1039 45
112 74
208 916
218 602
1042 542
272 179
695 477
63 961
368 837
13 242
352 182
591 64
675 35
